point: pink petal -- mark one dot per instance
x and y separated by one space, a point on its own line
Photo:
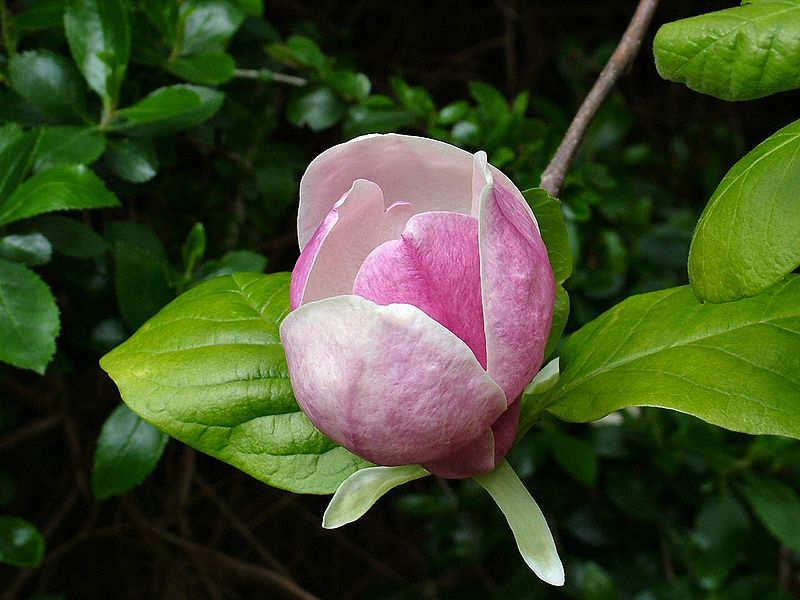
387 382
429 174
355 225
517 281
434 266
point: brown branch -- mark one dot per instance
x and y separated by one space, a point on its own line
29 431
556 171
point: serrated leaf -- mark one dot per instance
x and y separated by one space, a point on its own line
128 450
666 349
132 160
48 81
99 36
60 146
21 544
739 53
553 229
169 109
61 188
31 249
747 236
777 506
71 237
209 370
209 68
28 318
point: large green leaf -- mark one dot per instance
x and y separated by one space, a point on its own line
553 229
133 160
48 81
128 449
209 68
68 146
99 36
749 234
28 318
736 364
778 507
21 544
61 188
739 53
169 109
209 370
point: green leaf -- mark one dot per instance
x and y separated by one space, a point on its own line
721 530
61 188
378 115
41 14
208 25
99 36
209 68
28 318
778 507
747 236
48 81
16 159
575 456
306 52
665 349
21 544
351 85
9 133
553 229
132 160
128 450
317 107
252 8
60 146
739 53
32 249
169 109
141 272
71 237
560 318
210 371
194 248
239 261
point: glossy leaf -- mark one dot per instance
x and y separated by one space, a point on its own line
208 25
61 188
194 247
48 81
21 544
39 15
317 107
169 109
99 36
32 249
740 53
239 261
209 68
28 318
16 159
60 146
550 218
666 349
128 450
210 371
747 237
132 160
778 507
71 237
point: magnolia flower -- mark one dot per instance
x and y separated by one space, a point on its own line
422 303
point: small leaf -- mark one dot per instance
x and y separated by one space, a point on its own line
375 117
71 237
99 36
560 318
353 86
194 248
132 160
575 456
128 450
210 371
32 249
169 109
239 261
61 188
208 25
210 68
317 107
665 349
533 537
778 507
359 492
39 15
740 53
746 239
306 52
28 318
550 218
16 159
48 81
59 146
534 400
21 544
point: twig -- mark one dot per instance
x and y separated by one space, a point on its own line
268 75
556 171
30 430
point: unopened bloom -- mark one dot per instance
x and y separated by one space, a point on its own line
422 302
